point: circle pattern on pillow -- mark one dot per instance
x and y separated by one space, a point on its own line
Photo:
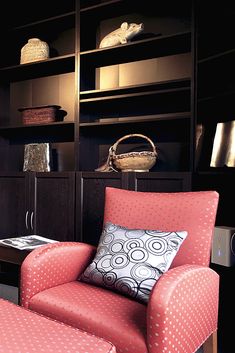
131 261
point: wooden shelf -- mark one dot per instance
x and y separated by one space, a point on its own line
220 56
137 119
147 102
137 50
66 20
135 89
109 8
49 67
58 131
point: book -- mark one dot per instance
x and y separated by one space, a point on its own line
28 242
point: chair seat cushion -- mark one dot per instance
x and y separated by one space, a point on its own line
106 314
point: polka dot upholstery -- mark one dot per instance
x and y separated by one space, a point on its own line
92 309
183 308
23 331
191 211
54 264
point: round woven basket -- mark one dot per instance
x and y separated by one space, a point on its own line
133 161
34 50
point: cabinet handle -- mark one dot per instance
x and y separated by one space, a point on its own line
31 220
26 219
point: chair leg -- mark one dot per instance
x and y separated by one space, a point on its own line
210 345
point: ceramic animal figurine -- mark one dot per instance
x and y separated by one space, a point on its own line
121 35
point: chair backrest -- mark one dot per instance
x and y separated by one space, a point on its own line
193 211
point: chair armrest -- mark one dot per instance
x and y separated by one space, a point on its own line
183 309
51 265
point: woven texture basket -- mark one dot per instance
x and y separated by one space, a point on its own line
34 50
133 161
38 115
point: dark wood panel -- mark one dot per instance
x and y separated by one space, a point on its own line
223 183
53 205
90 195
13 203
90 192
160 182
9 274
12 255
37 203
58 131
226 308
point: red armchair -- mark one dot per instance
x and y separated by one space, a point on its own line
182 311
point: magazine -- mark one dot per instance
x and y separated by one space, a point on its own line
27 242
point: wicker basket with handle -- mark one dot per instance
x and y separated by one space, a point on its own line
133 161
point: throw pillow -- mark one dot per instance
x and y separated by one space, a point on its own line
131 261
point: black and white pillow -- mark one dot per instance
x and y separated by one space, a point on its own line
131 261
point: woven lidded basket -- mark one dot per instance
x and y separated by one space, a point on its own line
34 50
41 114
133 161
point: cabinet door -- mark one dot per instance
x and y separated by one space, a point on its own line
160 182
90 193
13 204
52 205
